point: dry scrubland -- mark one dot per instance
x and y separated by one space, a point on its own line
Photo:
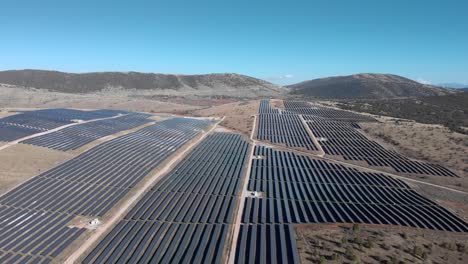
431 143
238 115
277 103
21 162
379 244
11 97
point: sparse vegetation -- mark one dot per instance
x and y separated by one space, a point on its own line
448 110
341 244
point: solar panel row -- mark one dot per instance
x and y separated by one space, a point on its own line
73 137
31 122
293 189
310 201
346 141
265 108
282 128
89 184
29 236
306 108
267 244
186 216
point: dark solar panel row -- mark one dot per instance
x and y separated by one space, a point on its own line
31 122
186 216
89 184
305 108
286 166
161 242
265 108
38 235
266 244
67 115
12 132
268 210
79 135
93 182
346 141
311 202
284 129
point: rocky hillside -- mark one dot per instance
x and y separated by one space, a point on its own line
369 86
231 85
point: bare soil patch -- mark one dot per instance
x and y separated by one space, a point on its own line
21 162
277 103
4 113
345 243
238 115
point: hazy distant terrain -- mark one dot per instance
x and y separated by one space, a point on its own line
368 86
225 84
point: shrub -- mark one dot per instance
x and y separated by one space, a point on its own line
417 251
356 228
461 247
322 260
350 254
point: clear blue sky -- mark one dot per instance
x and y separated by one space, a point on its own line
282 41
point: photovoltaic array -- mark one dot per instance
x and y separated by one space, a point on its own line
88 185
31 122
282 128
315 110
79 135
298 189
328 192
346 141
185 217
337 133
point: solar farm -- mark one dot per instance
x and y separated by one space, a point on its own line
158 188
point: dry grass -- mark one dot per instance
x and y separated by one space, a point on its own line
431 143
277 103
30 98
379 244
238 115
21 162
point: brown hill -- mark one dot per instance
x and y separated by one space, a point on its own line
370 86
224 84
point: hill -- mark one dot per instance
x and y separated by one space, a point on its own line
225 84
448 110
368 86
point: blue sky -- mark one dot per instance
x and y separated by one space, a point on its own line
281 41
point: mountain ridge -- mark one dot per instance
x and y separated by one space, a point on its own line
228 84
365 86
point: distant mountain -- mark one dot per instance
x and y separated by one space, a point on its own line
453 85
366 86
223 84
